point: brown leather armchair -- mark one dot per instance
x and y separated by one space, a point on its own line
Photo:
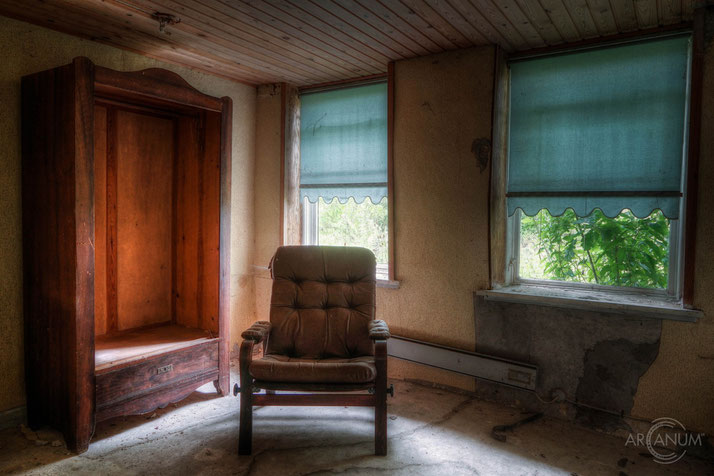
322 337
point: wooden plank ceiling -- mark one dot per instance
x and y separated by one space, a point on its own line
308 42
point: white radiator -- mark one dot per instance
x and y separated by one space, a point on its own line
495 369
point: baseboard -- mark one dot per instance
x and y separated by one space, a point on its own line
13 417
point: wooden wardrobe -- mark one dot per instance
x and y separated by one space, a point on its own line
126 209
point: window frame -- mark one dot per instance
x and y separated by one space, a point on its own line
308 214
311 231
678 228
674 278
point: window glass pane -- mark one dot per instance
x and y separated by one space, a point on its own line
621 251
355 224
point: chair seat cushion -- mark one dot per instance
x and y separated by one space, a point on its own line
281 368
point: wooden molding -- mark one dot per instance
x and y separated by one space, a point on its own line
155 85
291 217
694 145
345 83
391 209
283 93
604 40
497 220
224 292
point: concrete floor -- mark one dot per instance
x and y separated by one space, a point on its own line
431 432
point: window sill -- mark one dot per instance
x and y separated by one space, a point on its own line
635 304
386 283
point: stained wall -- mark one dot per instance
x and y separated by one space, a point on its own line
442 104
680 383
642 368
647 368
267 192
28 49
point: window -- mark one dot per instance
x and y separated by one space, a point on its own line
596 144
344 169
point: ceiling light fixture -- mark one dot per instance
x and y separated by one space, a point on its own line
165 19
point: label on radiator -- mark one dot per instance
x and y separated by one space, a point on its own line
518 376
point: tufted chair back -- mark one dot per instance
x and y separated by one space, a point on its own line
322 302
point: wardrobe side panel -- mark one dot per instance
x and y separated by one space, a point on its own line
48 244
58 255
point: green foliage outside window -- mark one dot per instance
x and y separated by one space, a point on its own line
355 224
621 251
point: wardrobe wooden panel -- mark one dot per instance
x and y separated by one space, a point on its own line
187 223
100 220
144 161
197 205
210 214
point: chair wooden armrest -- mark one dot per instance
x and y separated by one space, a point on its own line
379 330
258 332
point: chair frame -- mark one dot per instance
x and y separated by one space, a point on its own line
376 398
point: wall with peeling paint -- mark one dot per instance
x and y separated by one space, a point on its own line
594 358
680 383
442 105
642 367
29 49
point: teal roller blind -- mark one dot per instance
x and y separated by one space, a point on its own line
343 144
600 128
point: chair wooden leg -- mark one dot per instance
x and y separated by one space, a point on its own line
245 432
245 435
380 397
380 423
